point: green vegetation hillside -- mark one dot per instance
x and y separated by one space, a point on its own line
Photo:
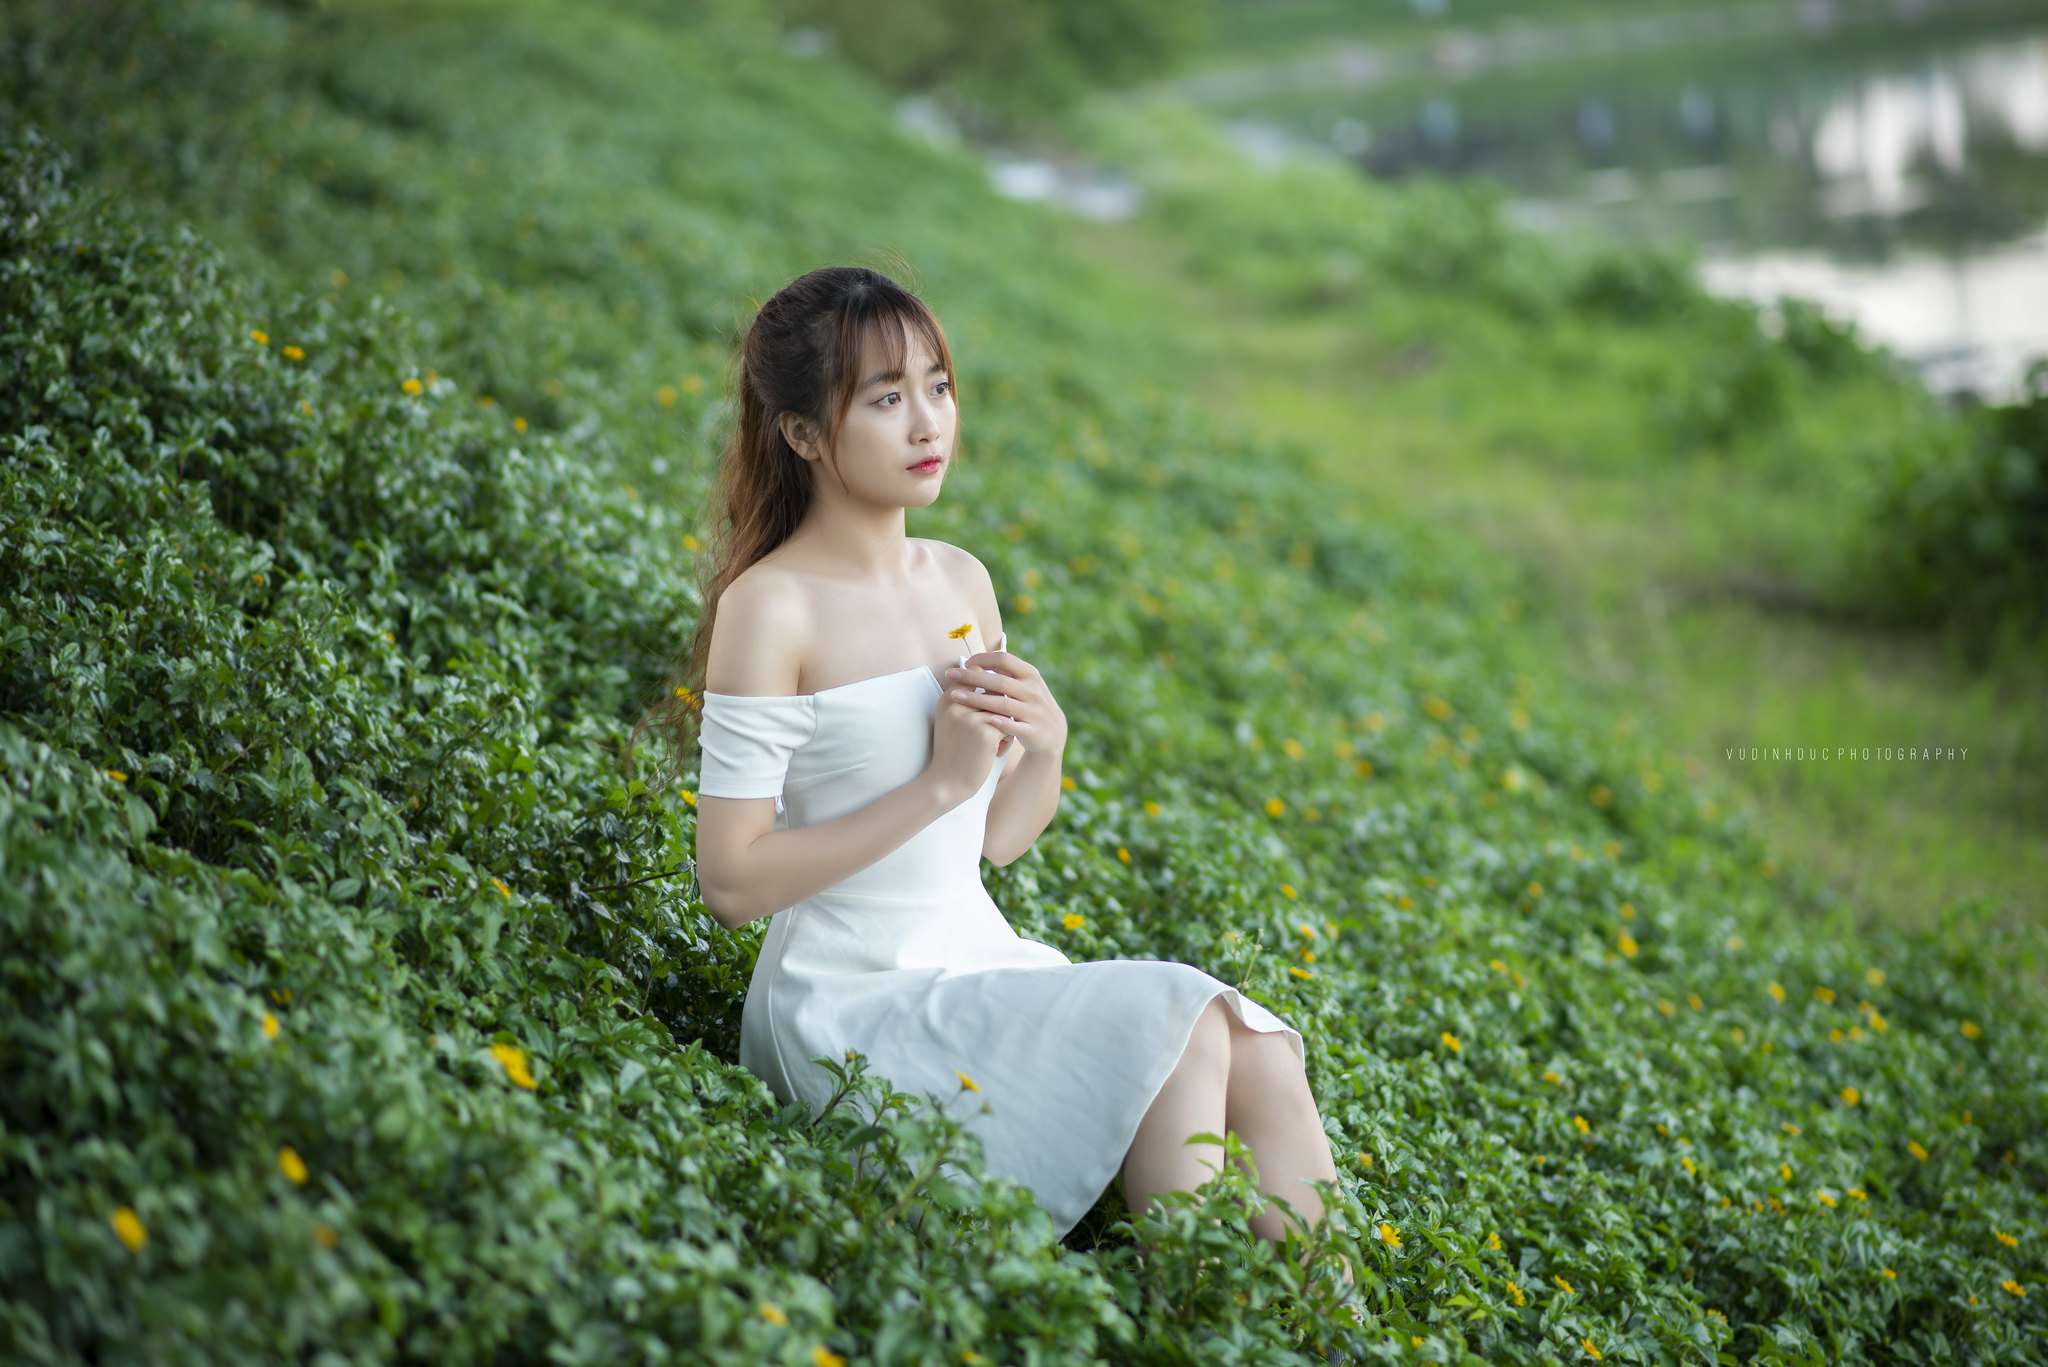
361 368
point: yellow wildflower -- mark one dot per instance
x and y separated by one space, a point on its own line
1826 1198
665 395
1627 945
1067 782
1971 1030
128 1228
1287 891
411 386
1788 1127
1913 1147
1888 1274
959 633
292 353
116 775
2014 1287
688 796
1628 911
822 1356
291 1165
1550 1075
1692 999
1777 992
1292 747
1579 1124
772 1312
1735 944
512 1059
692 383
1274 806
1850 1096
260 338
1493 1240
1301 973
499 884
1451 1042
1496 965
1123 855
1687 1164
1515 1294
1824 994
269 1026
1535 889
1563 1285
324 1235
2008 1240
1591 1351
967 1082
1389 1236
1611 848
1600 794
518 424
1877 1022
1875 977
1073 920
306 407
1151 808
1857 1192
1365 1161
1785 1171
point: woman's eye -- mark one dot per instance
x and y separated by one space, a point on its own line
892 394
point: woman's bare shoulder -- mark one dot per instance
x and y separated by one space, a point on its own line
965 572
757 638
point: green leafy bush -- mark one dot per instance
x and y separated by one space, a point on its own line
311 689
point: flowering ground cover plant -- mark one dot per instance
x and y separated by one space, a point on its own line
357 1005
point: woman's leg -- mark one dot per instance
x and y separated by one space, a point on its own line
1191 1102
1269 1106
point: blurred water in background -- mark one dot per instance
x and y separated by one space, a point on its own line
1893 168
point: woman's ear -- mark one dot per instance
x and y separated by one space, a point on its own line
801 435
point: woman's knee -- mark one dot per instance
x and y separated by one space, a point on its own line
1267 1063
1208 1048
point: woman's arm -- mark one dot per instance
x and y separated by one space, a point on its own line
745 867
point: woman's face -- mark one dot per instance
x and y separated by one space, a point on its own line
896 442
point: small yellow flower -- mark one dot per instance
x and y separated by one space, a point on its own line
2014 1287
128 1228
1888 1274
518 424
965 1081
1857 1192
1850 1096
1777 992
1687 1163
1788 1127
772 1312
306 407
1535 889
1123 855
1496 965
1515 1294
1067 782
1826 1198
1301 973
1971 1030
1579 1124
665 395
1274 806
1073 920
512 1059
1550 1075
692 384
1591 1351
499 884
1389 1236
259 337
1824 994
116 775
486 401
1627 945
411 386
1913 1147
1451 1042
291 1165
269 1026
688 797
1493 1240
1666 1007
1877 1022
1287 891
1785 1171
1600 794
1692 999
822 1356
324 1235
1365 1161
959 633
292 353
1734 944
2008 1240
1874 976
1563 1285
389 639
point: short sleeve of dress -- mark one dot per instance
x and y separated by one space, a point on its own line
747 742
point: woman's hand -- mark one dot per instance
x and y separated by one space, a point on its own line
965 743
1017 701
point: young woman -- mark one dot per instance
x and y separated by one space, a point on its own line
857 766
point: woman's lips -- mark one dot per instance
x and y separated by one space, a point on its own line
926 467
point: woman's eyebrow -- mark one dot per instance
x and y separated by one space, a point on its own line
892 376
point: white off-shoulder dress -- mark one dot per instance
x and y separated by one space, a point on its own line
910 962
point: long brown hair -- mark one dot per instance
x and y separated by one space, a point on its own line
801 355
